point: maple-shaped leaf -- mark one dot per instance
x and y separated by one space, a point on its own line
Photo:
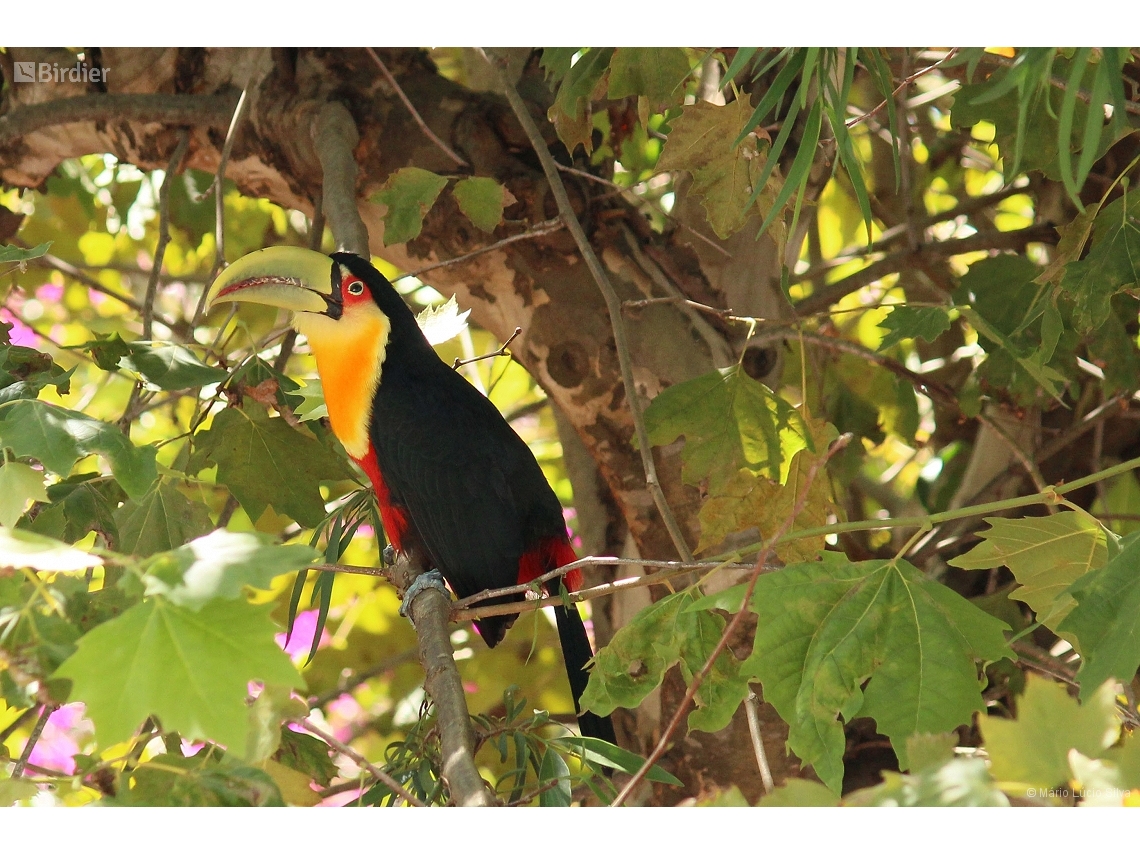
634 663
80 504
58 437
729 422
264 461
652 73
189 668
220 565
442 323
750 500
1111 266
826 628
961 782
903 322
1106 619
409 194
701 143
1033 751
162 519
1045 554
20 548
482 201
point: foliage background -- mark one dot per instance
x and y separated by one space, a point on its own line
928 250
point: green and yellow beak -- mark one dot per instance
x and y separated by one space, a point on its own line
289 277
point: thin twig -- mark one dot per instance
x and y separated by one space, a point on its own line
347 684
539 229
379 774
459 161
1017 239
216 187
33 738
502 351
163 233
906 82
613 304
733 624
752 710
69 269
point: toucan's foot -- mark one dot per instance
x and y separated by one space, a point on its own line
388 556
431 579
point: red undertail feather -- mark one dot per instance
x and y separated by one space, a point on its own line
552 552
395 521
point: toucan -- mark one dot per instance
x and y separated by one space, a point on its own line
458 490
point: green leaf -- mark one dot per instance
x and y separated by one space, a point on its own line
654 73
554 768
826 628
926 322
17 254
442 323
220 565
306 754
14 790
729 422
606 754
171 780
962 782
80 504
188 668
1045 554
162 519
635 661
409 194
1033 751
169 366
749 500
1111 266
798 792
1112 779
20 548
19 485
59 437
264 461
312 406
571 111
274 706
482 201
725 174
1106 619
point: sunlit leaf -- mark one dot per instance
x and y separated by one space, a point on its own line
409 194
266 462
482 201
188 668
198 781
442 323
19 485
837 638
1045 554
20 548
904 322
1033 751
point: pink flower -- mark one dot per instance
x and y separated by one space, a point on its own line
49 292
20 334
301 641
59 742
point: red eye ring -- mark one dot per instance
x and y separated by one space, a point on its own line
355 287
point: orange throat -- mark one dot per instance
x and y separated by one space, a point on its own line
350 358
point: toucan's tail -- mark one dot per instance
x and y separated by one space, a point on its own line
576 651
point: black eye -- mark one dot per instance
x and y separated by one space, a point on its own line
356 288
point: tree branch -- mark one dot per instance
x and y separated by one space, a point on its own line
196 110
334 137
379 774
613 304
821 300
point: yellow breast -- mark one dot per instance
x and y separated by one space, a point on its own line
350 357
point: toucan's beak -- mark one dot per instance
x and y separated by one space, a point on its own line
290 277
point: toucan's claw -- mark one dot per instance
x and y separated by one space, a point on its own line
431 579
389 555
